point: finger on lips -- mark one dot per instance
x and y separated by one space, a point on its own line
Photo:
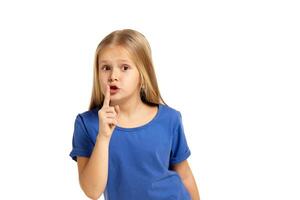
107 96
107 100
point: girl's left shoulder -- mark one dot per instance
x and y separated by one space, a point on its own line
171 112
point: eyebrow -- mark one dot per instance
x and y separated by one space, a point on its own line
105 61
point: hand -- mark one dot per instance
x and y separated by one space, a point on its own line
108 115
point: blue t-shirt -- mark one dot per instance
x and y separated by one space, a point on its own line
139 157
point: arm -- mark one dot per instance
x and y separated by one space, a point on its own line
186 175
93 171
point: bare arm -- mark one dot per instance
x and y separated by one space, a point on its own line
93 171
185 173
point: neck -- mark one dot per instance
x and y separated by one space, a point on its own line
128 109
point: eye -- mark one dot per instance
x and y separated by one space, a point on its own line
104 67
125 67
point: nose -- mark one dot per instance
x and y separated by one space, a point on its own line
113 75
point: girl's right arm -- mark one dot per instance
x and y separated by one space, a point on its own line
93 171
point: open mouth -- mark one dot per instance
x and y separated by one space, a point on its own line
114 87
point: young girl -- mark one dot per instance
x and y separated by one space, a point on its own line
130 145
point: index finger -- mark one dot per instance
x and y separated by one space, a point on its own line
107 96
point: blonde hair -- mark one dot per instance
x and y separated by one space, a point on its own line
139 49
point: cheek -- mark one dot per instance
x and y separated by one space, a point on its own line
102 83
132 81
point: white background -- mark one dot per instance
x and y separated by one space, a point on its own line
230 67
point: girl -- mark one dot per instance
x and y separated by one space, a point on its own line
130 145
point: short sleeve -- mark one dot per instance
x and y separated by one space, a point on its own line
180 150
82 144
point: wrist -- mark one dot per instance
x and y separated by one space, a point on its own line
102 136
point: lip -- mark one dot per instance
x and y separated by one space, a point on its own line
114 91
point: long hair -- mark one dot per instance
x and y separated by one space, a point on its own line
139 49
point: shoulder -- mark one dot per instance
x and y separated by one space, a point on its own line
170 110
171 114
88 114
89 119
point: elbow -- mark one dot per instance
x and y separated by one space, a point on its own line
93 196
91 190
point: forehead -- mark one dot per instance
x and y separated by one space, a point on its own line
114 53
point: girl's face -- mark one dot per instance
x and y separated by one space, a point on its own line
117 68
